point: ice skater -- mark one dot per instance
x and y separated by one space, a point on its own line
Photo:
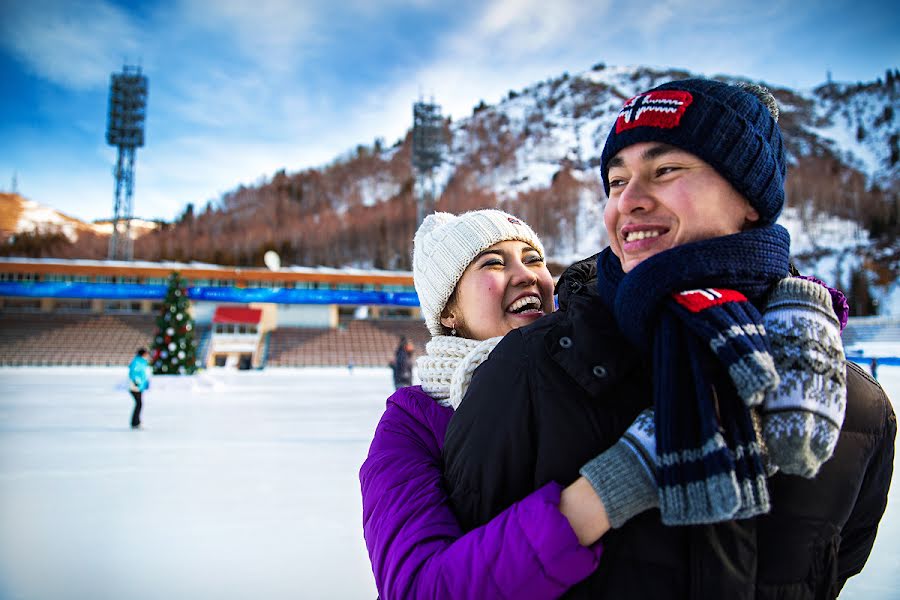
139 378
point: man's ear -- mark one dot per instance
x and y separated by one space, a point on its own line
751 217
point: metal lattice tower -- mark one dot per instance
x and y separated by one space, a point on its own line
125 129
427 154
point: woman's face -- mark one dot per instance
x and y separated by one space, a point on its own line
503 288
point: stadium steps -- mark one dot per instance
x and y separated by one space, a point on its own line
88 339
872 329
366 343
45 339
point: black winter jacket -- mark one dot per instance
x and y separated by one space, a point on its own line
554 394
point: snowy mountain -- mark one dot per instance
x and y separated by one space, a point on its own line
842 143
19 215
536 154
563 123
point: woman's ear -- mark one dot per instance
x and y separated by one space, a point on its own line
448 316
449 321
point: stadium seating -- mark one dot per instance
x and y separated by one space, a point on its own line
361 343
862 330
38 339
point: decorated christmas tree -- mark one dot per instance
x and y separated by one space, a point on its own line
174 348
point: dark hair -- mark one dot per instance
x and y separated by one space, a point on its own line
141 352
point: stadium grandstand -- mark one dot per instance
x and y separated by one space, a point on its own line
84 312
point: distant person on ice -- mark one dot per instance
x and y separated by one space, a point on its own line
402 364
139 379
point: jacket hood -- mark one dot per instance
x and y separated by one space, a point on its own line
575 277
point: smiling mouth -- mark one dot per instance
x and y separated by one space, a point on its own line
635 236
527 305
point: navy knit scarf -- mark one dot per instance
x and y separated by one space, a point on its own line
688 309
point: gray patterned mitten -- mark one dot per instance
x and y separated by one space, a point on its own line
802 418
624 476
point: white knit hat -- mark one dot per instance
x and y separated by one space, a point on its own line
444 246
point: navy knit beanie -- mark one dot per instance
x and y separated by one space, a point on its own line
725 125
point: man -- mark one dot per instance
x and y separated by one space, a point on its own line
139 379
694 171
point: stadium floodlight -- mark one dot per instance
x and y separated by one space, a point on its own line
125 129
427 153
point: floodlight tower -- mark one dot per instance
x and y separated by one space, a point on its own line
427 150
125 129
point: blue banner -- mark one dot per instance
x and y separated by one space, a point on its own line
138 291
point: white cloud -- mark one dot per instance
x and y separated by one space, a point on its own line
275 35
510 44
71 43
519 28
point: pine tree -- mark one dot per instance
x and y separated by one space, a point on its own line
174 348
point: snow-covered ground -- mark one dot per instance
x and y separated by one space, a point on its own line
241 485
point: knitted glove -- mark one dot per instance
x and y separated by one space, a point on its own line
802 418
624 476
729 323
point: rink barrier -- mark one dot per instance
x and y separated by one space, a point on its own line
865 361
140 291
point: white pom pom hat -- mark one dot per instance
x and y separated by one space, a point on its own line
444 246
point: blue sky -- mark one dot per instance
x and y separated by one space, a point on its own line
240 89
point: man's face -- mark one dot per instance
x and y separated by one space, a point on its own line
661 197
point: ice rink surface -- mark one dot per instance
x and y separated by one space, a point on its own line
241 485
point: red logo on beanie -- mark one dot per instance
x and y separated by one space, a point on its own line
697 300
654 109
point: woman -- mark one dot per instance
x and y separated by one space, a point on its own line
478 276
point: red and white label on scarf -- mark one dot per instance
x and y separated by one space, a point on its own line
654 109
697 300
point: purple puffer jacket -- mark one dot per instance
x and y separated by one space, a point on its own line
415 544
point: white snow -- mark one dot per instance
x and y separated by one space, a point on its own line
42 218
375 189
818 231
862 112
137 227
242 485
38 217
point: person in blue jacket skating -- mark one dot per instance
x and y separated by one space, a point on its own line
139 379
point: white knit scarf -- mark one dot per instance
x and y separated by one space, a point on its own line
447 366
